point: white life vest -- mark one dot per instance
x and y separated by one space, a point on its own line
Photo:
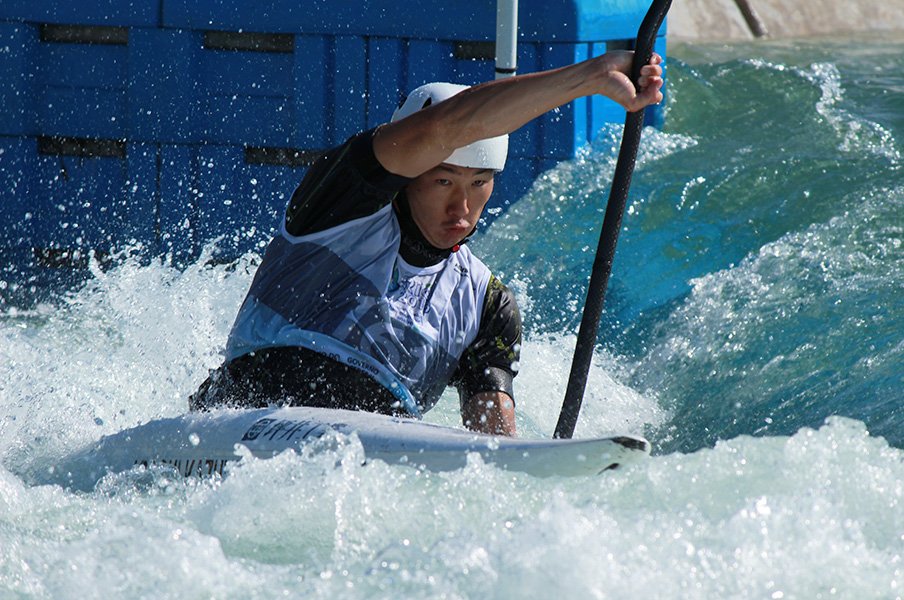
345 292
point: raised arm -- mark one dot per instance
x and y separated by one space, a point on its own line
413 145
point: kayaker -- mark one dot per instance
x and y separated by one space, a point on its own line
368 297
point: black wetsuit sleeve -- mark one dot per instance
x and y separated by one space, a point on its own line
489 364
347 183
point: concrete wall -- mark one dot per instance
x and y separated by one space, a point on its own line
701 20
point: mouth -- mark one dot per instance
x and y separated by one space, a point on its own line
456 226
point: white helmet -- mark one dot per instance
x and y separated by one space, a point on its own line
482 154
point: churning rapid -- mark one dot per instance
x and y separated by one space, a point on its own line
754 333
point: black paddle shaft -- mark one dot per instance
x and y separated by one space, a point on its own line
605 252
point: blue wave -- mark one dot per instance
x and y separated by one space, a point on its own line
757 288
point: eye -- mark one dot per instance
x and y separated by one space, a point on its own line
480 182
443 182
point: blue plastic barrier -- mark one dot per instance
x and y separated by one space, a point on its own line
17 47
134 13
18 156
113 112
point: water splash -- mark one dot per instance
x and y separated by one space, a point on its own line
129 346
759 277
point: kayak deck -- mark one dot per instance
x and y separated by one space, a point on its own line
202 444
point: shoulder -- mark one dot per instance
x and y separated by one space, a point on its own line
500 312
357 155
500 327
346 183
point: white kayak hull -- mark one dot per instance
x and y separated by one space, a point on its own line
202 444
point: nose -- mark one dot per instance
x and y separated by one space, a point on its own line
458 205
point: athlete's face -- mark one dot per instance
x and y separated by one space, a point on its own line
447 201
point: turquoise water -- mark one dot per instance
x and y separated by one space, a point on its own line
760 275
754 332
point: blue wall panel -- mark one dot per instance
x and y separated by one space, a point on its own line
387 75
448 20
211 192
559 20
225 209
82 65
564 129
429 61
527 141
17 90
78 202
313 100
349 86
142 198
240 203
227 72
80 89
163 104
244 97
595 20
512 184
178 209
92 202
82 112
17 157
96 12
98 203
259 121
473 71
